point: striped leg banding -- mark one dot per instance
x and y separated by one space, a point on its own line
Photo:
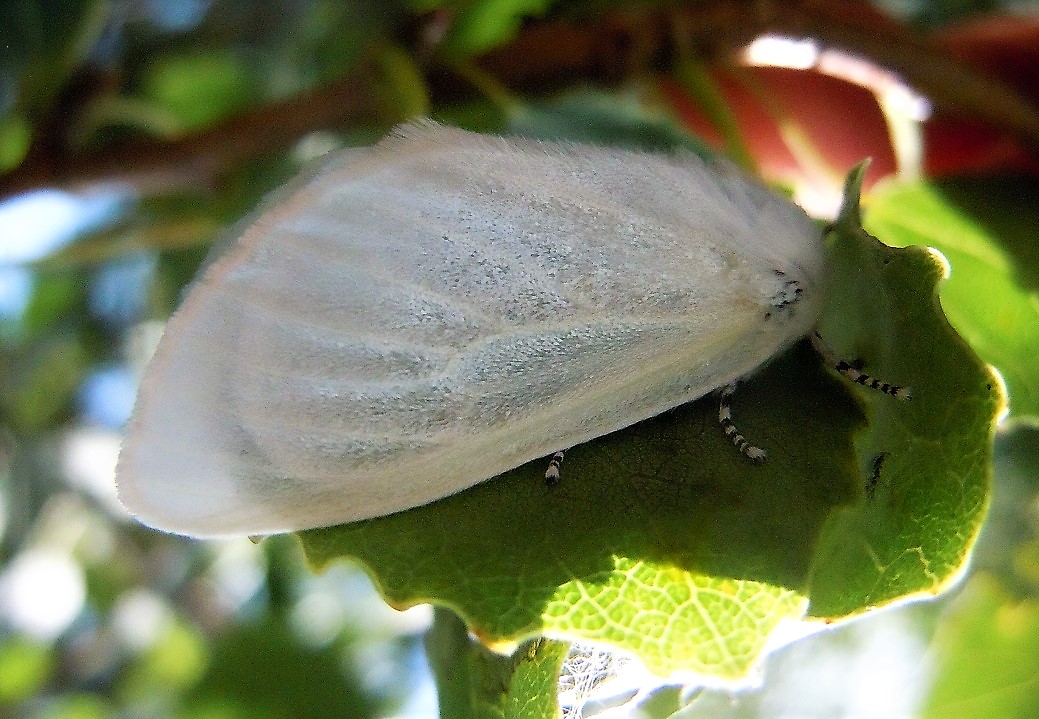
748 450
856 375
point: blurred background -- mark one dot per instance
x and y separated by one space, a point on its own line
132 132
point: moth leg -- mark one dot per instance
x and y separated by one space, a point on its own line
874 476
854 374
552 473
748 450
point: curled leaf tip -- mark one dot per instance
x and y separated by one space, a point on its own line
849 213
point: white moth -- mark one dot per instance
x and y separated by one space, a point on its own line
422 315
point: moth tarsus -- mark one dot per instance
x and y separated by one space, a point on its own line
874 476
755 454
852 371
870 382
554 465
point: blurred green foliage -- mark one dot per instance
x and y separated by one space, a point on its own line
171 628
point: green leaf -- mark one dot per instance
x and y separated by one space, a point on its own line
1009 547
532 692
175 662
602 118
78 705
25 667
986 649
473 681
661 539
198 88
484 24
926 463
988 655
40 379
403 84
15 137
987 230
665 542
264 670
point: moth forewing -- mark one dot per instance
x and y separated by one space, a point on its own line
421 316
